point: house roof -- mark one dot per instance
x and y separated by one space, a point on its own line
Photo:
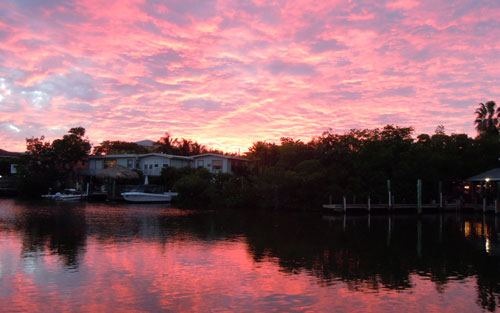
114 156
219 155
117 172
164 155
491 175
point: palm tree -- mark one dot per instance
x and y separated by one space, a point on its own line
166 144
487 117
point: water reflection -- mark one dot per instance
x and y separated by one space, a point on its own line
42 231
154 258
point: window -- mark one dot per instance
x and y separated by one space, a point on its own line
217 164
201 163
145 166
130 163
165 165
150 166
109 163
156 165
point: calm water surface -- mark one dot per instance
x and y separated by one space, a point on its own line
150 258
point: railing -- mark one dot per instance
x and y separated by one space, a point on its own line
94 171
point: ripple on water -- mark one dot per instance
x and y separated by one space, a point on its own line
114 257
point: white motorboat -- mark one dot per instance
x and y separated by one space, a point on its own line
133 196
148 193
66 195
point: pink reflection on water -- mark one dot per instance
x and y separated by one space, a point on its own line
197 276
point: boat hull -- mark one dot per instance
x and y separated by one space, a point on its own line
145 197
70 197
63 197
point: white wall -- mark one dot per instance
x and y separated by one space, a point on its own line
152 165
179 163
155 163
208 163
95 165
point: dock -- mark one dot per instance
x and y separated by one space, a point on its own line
368 208
392 207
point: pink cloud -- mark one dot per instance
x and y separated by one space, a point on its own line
228 73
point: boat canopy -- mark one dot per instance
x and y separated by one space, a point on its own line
490 175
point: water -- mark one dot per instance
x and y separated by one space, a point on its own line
149 258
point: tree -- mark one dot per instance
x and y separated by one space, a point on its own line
47 165
263 154
440 130
487 117
185 147
166 144
119 147
71 150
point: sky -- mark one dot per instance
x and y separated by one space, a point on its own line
229 73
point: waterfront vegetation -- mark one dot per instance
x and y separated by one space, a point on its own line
51 165
293 174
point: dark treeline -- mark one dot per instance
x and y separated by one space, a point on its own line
300 175
359 163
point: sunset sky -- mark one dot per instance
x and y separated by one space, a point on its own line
229 73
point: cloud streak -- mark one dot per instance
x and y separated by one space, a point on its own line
227 73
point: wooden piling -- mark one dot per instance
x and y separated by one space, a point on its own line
389 191
344 204
419 196
369 205
440 187
484 205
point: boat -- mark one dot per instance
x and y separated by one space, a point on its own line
147 194
66 195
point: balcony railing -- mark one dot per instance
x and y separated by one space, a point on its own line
149 171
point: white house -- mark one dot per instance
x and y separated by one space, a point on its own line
218 163
149 164
152 163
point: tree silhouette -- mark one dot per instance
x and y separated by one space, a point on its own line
487 118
